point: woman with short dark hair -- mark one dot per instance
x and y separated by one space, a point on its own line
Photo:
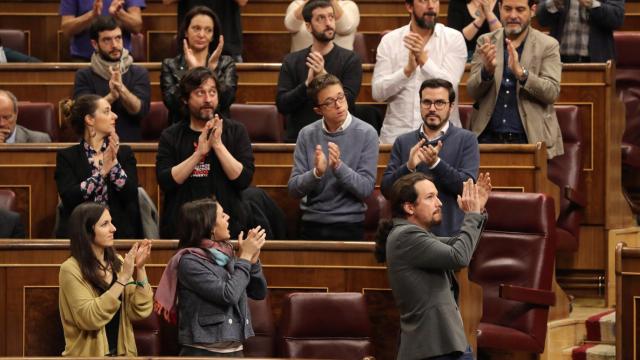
97 298
211 282
97 169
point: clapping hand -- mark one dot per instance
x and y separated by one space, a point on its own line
250 246
487 53
116 5
189 57
320 161
97 8
110 155
142 253
514 60
128 265
215 56
315 63
334 155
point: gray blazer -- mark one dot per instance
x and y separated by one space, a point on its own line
24 135
420 267
212 300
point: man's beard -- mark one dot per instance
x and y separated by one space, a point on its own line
515 33
204 113
106 57
424 24
434 127
320 36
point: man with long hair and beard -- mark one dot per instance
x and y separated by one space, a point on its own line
406 57
322 57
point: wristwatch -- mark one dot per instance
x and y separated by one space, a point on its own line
525 76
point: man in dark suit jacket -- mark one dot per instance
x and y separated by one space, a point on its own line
420 265
10 225
10 131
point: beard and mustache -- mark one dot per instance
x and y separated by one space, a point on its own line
322 35
424 23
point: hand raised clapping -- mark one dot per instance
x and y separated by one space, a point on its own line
250 246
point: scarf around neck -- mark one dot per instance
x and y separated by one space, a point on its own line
165 298
101 66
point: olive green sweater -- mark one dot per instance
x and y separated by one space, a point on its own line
85 313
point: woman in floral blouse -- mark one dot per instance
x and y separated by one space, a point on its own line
97 169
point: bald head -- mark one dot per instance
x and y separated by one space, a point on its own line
8 114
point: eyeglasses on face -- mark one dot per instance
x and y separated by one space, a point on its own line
439 104
331 102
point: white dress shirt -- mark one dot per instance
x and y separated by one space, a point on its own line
447 56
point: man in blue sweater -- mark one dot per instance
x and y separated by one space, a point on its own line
447 153
334 167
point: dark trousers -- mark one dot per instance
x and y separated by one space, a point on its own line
493 137
467 355
191 351
311 230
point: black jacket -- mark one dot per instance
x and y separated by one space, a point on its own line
176 145
174 69
603 20
72 168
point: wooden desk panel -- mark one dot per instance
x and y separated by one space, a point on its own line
289 266
512 167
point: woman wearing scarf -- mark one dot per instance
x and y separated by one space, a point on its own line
97 169
98 299
211 283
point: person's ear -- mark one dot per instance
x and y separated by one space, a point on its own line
408 208
89 120
409 7
94 44
317 110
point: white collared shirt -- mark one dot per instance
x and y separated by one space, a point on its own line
342 127
440 134
447 56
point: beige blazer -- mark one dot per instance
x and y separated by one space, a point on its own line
541 56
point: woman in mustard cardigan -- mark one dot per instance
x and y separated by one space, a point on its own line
98 299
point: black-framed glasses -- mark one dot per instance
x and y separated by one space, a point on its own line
331 102
439 104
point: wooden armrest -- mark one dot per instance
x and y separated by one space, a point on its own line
528 295
575 197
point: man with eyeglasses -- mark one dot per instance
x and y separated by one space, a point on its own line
323 57
334 167
113 76
449 154
406 57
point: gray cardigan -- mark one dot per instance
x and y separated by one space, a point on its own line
212 299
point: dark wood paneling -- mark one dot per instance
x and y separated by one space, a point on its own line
512 167
289 266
